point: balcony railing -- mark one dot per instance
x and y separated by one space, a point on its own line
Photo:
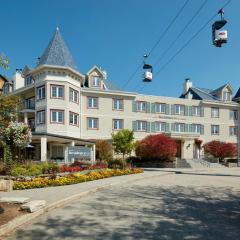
29 104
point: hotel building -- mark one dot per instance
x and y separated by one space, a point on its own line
65 107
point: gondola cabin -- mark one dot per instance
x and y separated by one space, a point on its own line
219 35
148 71
147 76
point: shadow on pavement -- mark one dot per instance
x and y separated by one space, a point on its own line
144 212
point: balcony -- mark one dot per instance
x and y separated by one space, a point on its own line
29 104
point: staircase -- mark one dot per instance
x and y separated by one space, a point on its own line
182 163
196 163
200 163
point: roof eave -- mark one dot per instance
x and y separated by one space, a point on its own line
56 67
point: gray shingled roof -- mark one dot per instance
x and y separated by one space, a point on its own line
219 89
111 86
204 95
201 94
237 95
57 53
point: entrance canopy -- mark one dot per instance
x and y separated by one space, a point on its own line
53 147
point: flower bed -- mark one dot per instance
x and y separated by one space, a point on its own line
73 178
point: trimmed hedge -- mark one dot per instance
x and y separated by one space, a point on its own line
73 178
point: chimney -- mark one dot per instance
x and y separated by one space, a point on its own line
18 80
186 85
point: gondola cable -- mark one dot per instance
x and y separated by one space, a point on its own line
157 42
175 40
188 42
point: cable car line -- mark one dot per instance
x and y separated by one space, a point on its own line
188 42
181 32
178 36
169 26
192 38
158 41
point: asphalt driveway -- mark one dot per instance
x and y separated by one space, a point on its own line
174 206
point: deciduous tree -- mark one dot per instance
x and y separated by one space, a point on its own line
4 62
123 142
9 107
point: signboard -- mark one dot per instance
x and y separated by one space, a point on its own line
79 153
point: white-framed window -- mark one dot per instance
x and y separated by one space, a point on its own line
92 123
41 93
92 102
141 106
233 115
57 116
73 118
117 124
160 126
28 80
57 91
215 112
160 107
196 111
141 126
41 117
215 129
179 109
117 104
95 81
233 131
196 128
73 95
227 96
179 127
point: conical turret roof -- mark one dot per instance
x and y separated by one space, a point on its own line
57 53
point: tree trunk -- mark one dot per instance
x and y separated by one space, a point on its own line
123 165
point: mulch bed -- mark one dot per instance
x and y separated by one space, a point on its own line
11 211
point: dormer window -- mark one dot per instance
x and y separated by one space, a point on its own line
226 96
96 81
28 80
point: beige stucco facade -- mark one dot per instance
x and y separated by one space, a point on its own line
66 108
180 123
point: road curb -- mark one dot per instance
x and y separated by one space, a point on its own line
19 221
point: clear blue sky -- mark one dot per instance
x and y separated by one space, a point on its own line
115 35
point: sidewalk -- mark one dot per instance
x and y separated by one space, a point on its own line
53 195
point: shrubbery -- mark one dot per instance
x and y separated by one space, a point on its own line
156 147
35 169
220 150
117 164
104 150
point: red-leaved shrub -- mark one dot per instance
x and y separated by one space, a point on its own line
65 168
220 150
156 147
78 168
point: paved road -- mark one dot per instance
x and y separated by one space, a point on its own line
174 206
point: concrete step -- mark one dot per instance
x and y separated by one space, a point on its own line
182 163
200 163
